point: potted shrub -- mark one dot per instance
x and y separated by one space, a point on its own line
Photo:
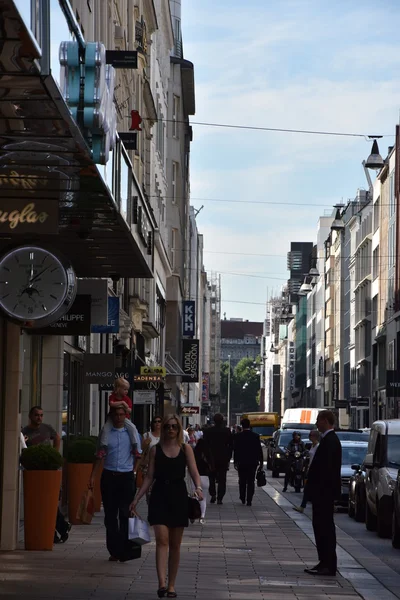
80 457
42 480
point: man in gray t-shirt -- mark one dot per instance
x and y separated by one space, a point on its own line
36 433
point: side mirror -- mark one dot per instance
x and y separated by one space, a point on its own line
356 467
369 461
272 444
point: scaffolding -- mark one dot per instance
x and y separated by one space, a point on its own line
215 341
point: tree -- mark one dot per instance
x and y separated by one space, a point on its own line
245 385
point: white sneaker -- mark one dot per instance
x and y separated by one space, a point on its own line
202 521
299 509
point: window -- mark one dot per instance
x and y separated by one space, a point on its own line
374 311
392 199
375 263
174 181
174 237
377 207
160 134
175 117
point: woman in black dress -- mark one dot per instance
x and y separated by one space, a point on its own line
168 504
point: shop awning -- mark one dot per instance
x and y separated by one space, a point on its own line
43 155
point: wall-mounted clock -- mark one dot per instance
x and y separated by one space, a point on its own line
37 286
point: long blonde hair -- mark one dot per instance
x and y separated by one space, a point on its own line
179 437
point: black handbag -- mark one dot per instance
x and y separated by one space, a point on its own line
261 478
194 509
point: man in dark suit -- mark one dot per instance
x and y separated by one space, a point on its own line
218 441
324 487
247 456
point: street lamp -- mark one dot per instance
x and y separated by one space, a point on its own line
228 407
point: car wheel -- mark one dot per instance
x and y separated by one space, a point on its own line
350 509
370 518
359 508
395 531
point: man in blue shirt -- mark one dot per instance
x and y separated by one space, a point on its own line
117 484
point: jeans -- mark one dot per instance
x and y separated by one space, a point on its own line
203 503
247 475
218 477
118 491
61 523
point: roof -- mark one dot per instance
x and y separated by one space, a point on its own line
239 329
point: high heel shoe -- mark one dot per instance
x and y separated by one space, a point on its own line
161 592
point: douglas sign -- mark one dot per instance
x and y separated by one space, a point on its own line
190 361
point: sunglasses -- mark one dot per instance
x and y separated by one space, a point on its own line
157 421
173 426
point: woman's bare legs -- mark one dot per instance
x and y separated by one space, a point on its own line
175 540
162 540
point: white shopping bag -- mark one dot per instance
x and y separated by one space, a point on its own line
139 531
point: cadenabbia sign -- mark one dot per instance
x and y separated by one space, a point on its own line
190 361
20 216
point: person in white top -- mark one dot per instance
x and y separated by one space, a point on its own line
198 432
155 430
314 439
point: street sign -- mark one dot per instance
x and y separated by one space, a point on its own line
188 409
146 378
341 404
190 361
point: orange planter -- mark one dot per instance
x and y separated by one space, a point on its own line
41 493
97 491
78 478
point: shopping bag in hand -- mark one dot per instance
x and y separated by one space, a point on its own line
85 510
261 478
139 531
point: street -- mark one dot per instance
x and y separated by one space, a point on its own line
375 554
256 553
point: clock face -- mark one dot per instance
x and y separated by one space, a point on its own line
36 286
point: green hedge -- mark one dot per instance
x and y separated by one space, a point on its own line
41 457
81 451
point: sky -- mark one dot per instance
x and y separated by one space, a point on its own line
292 64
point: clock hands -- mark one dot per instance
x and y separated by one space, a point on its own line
32 279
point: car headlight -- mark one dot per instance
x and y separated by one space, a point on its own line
391 484
278 455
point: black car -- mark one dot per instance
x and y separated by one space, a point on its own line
277 459
396 514
356 506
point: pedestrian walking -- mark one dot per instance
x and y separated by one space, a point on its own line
168 505
323 488
36 433
117 483
314 439
198 432
247 456
204 467
219 444
150 439
120 398
192 438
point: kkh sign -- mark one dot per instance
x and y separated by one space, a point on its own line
190 360
20 216
189 312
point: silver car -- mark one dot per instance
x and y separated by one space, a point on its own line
353 453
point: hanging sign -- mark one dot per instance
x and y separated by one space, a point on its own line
188 409
144 397
76 322
99 368
122 59
153 371
20 216
190 361
113 318
189 314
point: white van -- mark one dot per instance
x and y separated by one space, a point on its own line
300 418
382 463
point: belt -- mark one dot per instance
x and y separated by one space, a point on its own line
118 472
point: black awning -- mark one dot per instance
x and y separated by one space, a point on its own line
44 155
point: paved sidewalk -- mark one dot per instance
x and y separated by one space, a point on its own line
242 553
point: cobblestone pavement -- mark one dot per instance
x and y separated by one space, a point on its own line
241 553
